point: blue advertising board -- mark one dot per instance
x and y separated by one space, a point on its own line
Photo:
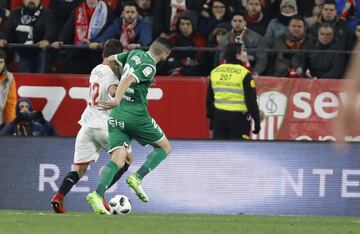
221 177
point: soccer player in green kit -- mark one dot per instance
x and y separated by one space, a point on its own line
130 119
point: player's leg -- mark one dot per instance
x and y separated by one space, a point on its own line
118 148
120 172
86 151
77 172
162 148
95 199
149 134
118 175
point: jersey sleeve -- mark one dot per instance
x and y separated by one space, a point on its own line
121 58
144 72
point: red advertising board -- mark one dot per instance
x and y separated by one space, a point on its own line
300 109
178 105
295 109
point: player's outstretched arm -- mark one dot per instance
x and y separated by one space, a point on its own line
120 91
348 118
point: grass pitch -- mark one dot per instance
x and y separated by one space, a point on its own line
12 221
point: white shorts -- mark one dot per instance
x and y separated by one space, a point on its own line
89 142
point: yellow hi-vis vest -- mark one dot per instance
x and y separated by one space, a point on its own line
227 84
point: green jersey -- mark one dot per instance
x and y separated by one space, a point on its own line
142 66
131 119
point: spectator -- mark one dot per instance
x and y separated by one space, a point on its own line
321 65
4 14
86 22
305 7
293 39
343 34
130 28
115 5
349 10
214 40
231 98
146 12
31 24
18 3
278 26
188 63
26 122
8 93
240 5
344 8
256 19
167 13
312 17
218 15
62 11
257 59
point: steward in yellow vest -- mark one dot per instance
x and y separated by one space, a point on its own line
231 98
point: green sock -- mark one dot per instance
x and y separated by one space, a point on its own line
152 161
106 176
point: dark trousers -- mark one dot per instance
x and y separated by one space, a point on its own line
231 125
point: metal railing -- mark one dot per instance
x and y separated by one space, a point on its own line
202 49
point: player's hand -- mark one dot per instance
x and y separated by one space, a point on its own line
257 128
107 105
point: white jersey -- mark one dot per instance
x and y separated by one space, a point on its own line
101 78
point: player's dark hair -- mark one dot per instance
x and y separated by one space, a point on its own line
112 46
165 42
161 45
2 54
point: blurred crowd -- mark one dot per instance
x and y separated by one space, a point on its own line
284 38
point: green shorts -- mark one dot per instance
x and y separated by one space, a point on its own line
123 128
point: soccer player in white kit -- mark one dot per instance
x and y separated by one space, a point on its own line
93 135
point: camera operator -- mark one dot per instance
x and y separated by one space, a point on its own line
28 122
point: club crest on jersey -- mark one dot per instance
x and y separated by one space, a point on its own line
147 71
136 59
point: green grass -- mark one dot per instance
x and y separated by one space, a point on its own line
39 222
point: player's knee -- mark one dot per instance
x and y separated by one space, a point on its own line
129 158
120 163
118 156
167 148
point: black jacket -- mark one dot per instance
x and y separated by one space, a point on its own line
43 27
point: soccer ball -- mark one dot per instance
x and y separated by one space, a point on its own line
120 204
